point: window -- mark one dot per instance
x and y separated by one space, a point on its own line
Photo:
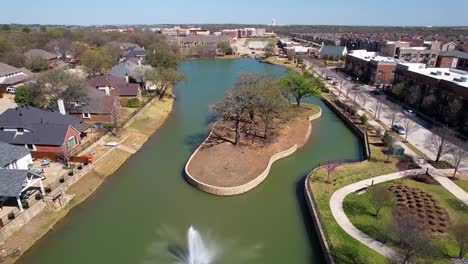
20 130
393 73
433 55
87 115
30 146
71 142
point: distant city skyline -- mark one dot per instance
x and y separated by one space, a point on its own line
304 12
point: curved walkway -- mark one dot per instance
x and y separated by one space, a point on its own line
336 207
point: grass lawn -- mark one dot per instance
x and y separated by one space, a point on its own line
344 176
153 117
284 62
462 184
111 162
359 210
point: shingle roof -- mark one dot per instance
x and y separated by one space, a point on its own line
122 69
40 53
12 181
119 84
46 127
10 153
335 51
135 53
7 69
97 103
454 53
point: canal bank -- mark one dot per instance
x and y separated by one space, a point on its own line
87 183
147 205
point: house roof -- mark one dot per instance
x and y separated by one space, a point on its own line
135 53
97 103
45 127
454 53
10 153
25 76
332 51
12 181
122 88
122 69
40 53
7 69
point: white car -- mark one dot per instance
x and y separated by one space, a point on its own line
410 112
11 90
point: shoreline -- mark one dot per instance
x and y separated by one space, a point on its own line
82 190
255 181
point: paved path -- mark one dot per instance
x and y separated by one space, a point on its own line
336 207
448 184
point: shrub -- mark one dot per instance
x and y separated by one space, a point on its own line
80 167
85 163
47 189
364 118
133 103
70 173
61 180
25 204
38 196
11 215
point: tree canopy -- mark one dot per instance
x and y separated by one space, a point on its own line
301 86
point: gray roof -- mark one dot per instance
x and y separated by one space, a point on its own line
124 68
7 69
206 39
40 53
10 153
454 53
135 53
334 51
12 181
97 103
46 127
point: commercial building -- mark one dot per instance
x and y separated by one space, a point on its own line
453 59
370 67
402 50
440 93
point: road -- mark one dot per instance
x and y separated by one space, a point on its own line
418 138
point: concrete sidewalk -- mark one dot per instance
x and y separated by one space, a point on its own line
336 207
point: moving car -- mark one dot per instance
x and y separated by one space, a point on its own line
409 112
399 129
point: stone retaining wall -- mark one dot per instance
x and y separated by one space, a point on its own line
21 220
235 190
319 228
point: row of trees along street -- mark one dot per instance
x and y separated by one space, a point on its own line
258 104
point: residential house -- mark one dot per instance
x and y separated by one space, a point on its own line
99 108
14 182
334 52
116 86
43 132
14 157
52 58
13 77
136 55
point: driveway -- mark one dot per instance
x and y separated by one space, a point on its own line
6 103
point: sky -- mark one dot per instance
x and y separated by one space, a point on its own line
305 12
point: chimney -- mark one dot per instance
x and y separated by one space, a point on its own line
107 90
126 78
61 106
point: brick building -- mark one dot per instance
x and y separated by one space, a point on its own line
402 50
453 59
370 67
440 93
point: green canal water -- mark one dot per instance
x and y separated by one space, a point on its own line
145 209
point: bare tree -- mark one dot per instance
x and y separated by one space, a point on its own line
348 89
65 153
379 197
364 97
331 168
458 156
393 113
115 113
438 142
410 127
413 241
354 94
460 231
379 105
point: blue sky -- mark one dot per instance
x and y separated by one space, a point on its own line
324 12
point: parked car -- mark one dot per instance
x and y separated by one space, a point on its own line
335 82
409 112
329 78
11 90
399 129
377 92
